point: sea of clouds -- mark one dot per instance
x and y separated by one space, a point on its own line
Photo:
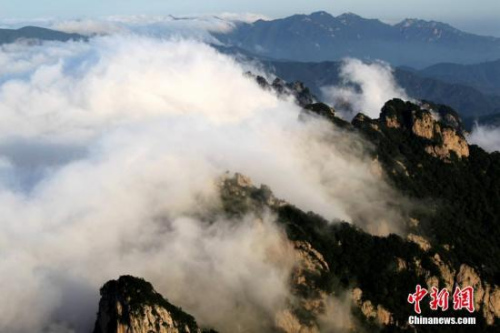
110 152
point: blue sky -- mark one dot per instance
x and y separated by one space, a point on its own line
480 16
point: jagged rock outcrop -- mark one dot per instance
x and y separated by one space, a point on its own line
423 124
309 299
486 296
311 260
445 115
447 273
287 322
381 315
444 137
298 90
239 195
438 126
451 141
423 243
321 109
363 121
131 305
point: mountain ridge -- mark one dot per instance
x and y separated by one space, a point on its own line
322 37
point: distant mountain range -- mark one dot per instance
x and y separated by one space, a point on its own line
36 33
323 37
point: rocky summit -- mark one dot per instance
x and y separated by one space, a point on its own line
444 137
131 305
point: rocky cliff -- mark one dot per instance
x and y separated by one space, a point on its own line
131 305
443 137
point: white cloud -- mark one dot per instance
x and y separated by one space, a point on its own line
365 88
193 26
487 137
243 17
143 128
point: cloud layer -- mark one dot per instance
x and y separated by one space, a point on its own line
164 26
110 151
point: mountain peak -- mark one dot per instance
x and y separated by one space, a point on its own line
130 304
320 36
320 13
349 15
321 17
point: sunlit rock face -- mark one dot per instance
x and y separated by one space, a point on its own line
443 133
486 296
131 305
371 312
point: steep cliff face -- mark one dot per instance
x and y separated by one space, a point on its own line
307 301
450 141
486 297
379 314
131 305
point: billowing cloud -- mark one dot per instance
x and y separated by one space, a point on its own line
165 26
365 88
196 26
110 151
487 137
243 17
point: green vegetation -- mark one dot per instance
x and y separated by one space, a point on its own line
136 293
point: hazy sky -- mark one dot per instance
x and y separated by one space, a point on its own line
480 16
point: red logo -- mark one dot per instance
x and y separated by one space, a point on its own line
462 299
439 299
417 297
